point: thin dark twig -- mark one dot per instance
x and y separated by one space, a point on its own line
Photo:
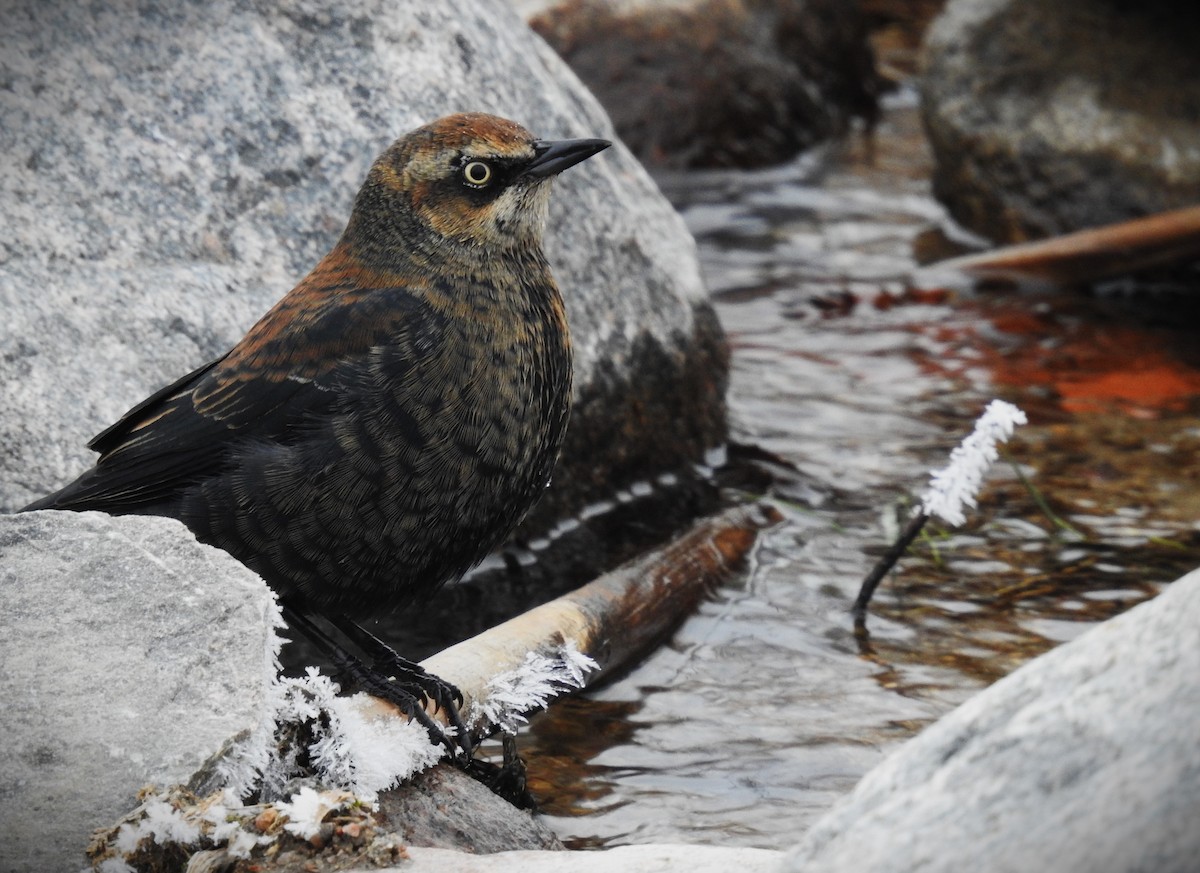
885 563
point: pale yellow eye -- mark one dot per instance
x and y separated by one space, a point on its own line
477 174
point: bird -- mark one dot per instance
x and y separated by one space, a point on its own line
391 419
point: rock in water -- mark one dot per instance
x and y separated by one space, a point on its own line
1082 761
718 83
1051 117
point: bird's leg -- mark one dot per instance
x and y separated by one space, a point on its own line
371 680
408 674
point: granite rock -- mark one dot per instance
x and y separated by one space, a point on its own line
168 170
1046 118
129 653
1084 760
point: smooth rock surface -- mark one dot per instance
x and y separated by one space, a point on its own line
1085 760
623 859
169 170
1050 117
129 653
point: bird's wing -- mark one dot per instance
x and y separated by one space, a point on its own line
288 371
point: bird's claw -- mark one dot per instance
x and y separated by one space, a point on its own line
413 695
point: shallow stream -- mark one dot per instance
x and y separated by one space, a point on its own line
848 387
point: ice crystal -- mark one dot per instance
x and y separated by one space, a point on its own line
530 686
242 770
308 808
956 486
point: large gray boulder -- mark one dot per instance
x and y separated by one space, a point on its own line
168 170
1050 117
1085 760
129 653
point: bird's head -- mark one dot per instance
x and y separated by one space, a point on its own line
469 179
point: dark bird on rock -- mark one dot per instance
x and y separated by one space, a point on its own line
391 419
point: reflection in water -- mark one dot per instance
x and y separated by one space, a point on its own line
847 389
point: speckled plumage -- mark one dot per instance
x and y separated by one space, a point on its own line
390 420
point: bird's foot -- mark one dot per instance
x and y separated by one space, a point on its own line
411 680
436 690
401 682
506 780
411 693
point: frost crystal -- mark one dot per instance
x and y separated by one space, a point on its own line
165 824
349 749
955 487
369 755
161 822
308 809
242 770
530 686
243 843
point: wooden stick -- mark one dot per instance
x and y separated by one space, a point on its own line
614 619
1084 256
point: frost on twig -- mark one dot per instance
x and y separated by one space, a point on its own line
349 747
530 686
314 732
950 490
957 485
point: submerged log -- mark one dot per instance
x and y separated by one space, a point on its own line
615 619
1162 239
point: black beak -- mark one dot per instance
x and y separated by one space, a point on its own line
552 157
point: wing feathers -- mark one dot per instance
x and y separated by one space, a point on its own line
287 373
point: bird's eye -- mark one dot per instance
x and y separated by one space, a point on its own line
477 174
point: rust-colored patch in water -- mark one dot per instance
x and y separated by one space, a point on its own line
1154 385
1080 360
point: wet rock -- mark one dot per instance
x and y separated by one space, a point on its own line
1085 759
718 83
129 653
168 171
1049 117
445 808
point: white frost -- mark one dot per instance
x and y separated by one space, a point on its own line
955 487
161 822
369 755
366 755
165 824
530 686
243 844
308 809
242 770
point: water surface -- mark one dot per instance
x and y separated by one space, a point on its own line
848 386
